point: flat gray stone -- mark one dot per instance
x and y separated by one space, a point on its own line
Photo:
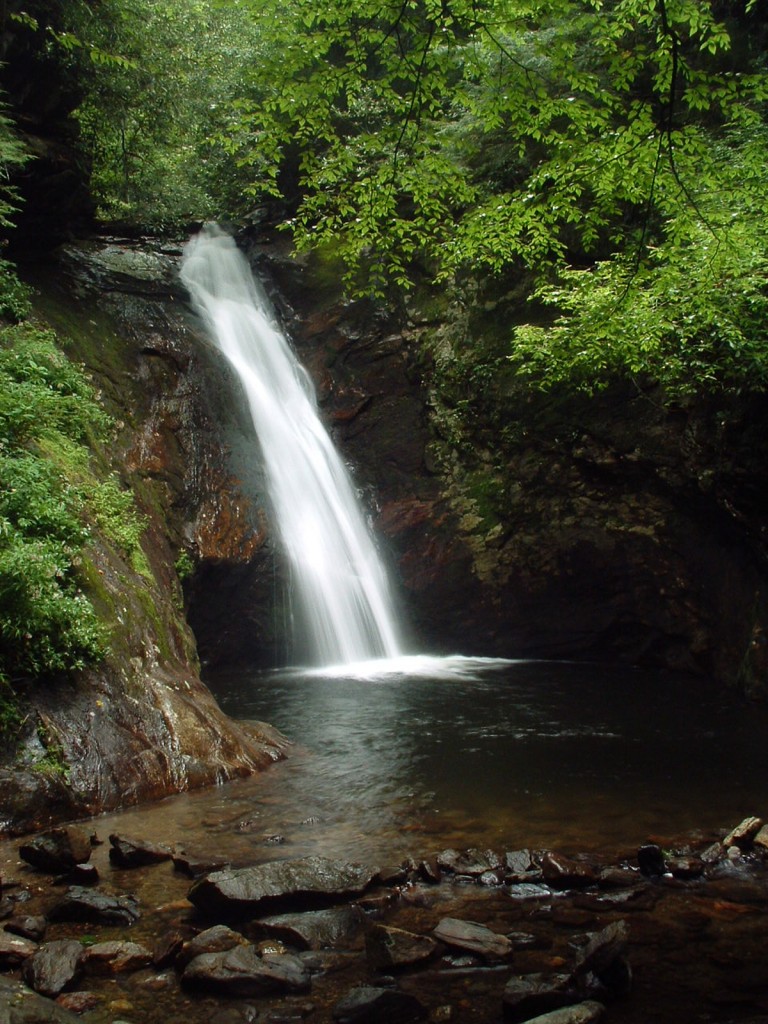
315 929
528 891
252 891
581 1013
241 972
475 938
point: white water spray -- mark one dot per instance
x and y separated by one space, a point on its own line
341 589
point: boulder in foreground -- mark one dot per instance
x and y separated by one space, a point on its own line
57 850
242 972
244 892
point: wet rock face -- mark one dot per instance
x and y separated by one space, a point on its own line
141 725
54 966
242 972
613 528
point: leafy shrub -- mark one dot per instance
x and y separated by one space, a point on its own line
14 295
49 500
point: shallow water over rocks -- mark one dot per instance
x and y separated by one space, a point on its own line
523 799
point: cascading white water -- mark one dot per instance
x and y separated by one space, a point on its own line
340 585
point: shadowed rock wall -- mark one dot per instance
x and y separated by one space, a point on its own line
622 527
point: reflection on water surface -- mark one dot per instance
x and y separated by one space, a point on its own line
513 754
517 753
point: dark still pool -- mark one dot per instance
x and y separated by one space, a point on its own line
470 751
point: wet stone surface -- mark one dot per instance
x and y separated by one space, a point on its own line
672 946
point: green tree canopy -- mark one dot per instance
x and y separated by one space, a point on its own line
609 152
613 150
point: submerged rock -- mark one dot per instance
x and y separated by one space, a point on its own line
78 1002
470 862
475 938
602 967
563 872
250 891
603 948
31 927
136 853
389 948
167 948
194 866
533 994
685 867
618 878
241 972
81 874
94 905
429 871
116 957
370 1005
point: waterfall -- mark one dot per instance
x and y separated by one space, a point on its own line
342 604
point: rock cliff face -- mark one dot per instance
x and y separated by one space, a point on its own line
142 725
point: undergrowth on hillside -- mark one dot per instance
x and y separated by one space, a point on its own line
52 501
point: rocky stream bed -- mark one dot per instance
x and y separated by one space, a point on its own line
133 931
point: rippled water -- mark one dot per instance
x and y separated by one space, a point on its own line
473 752
516 753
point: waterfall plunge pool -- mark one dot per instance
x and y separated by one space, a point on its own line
472 752
460 752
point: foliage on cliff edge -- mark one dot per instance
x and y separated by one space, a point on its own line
52 500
